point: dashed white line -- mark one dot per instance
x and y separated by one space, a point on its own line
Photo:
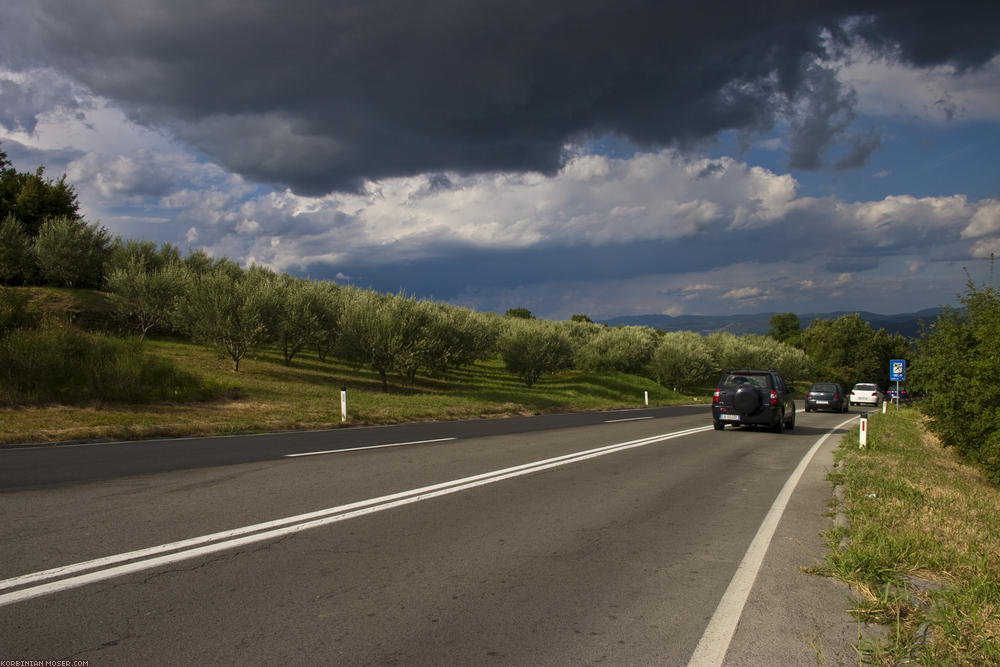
630 419
357 449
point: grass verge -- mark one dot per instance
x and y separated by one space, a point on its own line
266 395
923 548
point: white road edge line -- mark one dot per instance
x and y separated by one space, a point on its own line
200 546
630 419
714 644
358 449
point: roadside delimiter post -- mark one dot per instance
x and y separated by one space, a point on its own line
343 404
863 435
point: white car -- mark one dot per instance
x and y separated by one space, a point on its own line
866 394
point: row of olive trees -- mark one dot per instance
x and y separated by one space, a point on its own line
234 310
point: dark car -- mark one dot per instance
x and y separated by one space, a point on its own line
753 398
826 396
891 394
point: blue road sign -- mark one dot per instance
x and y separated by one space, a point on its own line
897 370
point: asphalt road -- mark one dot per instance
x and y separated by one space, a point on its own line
572 539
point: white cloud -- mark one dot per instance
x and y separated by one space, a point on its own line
939 94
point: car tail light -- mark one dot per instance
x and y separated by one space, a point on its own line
715 396
836 397
774 397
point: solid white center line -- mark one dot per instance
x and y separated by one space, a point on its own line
630 419
144 559
358 449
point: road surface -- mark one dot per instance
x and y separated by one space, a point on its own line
572 539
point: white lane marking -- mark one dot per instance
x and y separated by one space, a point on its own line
714 644
630 419
358 449
199 546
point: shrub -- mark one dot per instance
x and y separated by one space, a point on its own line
58 364
957 370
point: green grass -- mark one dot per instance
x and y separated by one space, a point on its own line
267 395
924 545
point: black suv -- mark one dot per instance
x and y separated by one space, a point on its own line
753 398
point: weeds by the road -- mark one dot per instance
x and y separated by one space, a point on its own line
923 548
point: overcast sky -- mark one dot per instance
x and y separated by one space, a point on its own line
598 157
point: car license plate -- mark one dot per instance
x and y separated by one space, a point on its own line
823 402
729 418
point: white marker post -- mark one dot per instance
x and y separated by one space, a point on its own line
863 435
343 404
647 397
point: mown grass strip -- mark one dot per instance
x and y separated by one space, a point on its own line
924 545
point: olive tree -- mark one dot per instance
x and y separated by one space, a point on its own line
532 348
625 349
383 332
292 314
145 299
226 313
329 302
682 359
71 253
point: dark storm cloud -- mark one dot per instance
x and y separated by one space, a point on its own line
321 95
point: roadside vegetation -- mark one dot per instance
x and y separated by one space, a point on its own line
923 545
105 338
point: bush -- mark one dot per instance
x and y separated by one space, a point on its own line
957 371
57 364
16 311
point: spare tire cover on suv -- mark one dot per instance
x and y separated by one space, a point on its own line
747 399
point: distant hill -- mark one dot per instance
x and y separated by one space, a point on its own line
907 324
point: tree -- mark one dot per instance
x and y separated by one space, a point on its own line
382 332
225 312
956 371
329 303
786 328
16 261
141 254
532 348
682 359
71 253
145 298
847 350
32 198
456 337
293 316
625 349
581 318
521 313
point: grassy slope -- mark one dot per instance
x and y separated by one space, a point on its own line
268 395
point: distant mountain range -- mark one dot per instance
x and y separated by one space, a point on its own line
907 324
